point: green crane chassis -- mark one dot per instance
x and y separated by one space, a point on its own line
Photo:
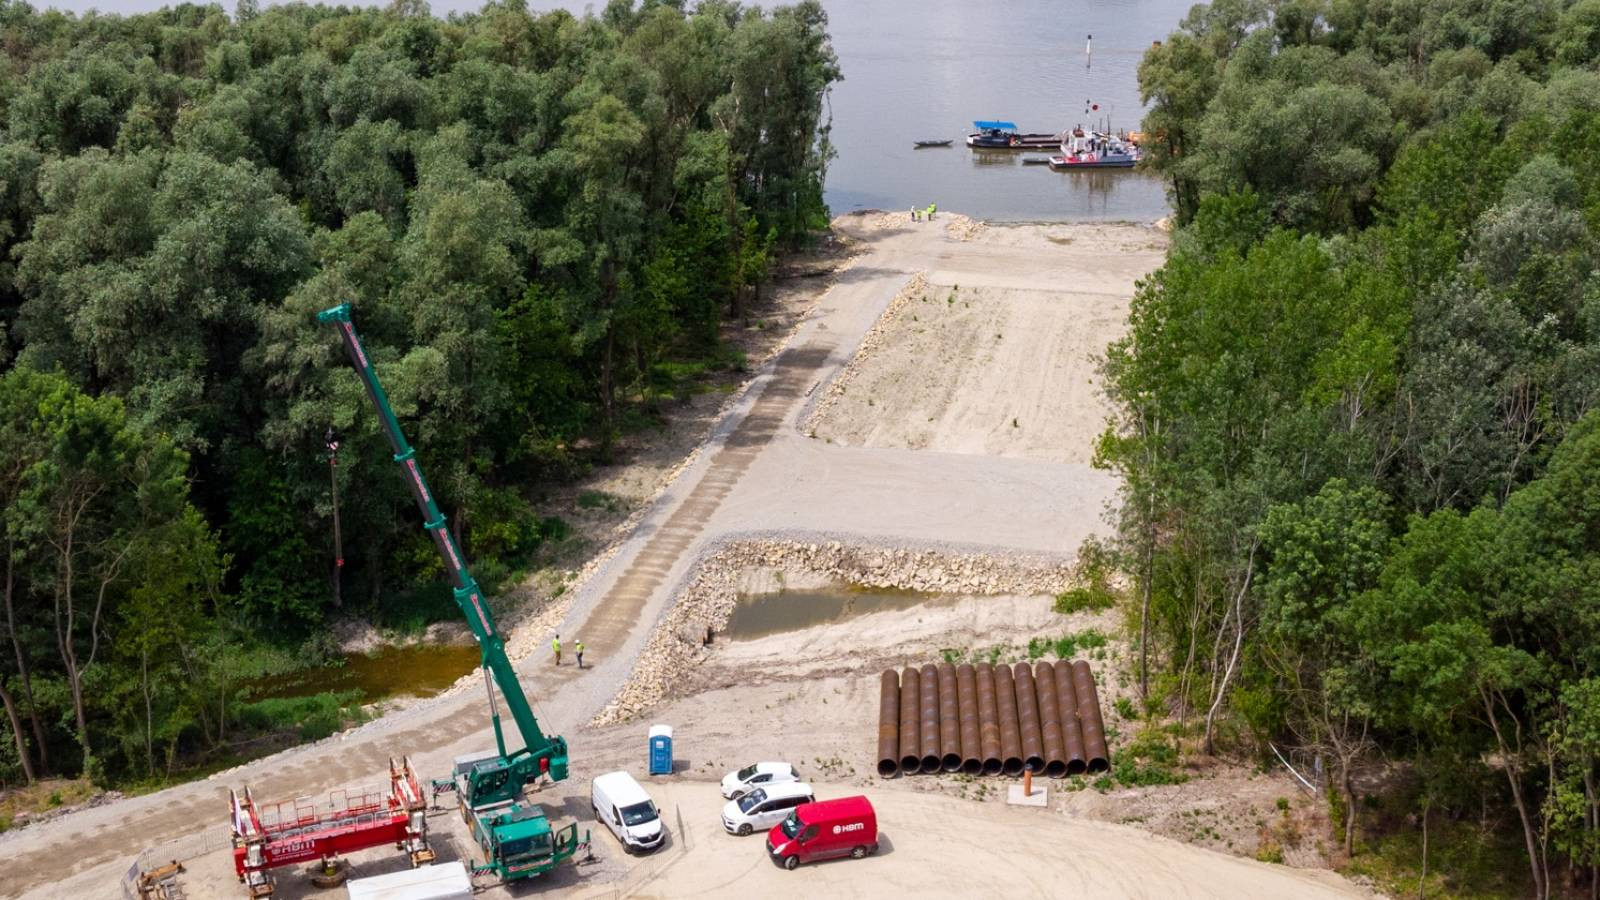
515 836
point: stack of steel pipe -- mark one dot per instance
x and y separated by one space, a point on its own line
967 704
1028 719
930 718
991 719
889 724
1071 731
1055 754
910 731
1094 731
949 720
988 721
1005 697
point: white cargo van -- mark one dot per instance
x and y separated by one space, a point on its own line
628 811
764 807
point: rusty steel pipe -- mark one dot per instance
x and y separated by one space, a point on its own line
910 724
949 720
988 721
1094 729
1028 719
967 705
1005 701
1071 731
930 718
1055 750
889 724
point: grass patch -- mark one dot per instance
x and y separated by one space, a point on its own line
1464 861
309 718
1095 593
681 378
42 796
598 500
1149 760
1068 645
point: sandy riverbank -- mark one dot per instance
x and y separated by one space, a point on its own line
1003 367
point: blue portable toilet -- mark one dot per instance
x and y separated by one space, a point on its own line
660 749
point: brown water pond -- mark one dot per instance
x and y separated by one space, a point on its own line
419 670
760 615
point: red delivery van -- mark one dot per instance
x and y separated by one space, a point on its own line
824 830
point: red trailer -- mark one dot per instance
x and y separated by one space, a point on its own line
296 831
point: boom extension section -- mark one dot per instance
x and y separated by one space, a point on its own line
492 780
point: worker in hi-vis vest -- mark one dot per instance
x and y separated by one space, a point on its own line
555 645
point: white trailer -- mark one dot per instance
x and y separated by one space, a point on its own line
444 881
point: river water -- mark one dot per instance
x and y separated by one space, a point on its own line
760 615
925 69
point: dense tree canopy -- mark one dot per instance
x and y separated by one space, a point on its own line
1358 404
534 216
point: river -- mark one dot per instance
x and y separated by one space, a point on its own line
925 69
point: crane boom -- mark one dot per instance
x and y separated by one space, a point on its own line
541 754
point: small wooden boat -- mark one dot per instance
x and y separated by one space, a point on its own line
921 144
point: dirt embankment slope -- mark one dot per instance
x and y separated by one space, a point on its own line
1005 364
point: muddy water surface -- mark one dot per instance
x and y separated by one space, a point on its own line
421 670
760 615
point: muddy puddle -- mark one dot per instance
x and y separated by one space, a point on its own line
760 615
421 670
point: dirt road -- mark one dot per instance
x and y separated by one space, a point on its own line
757 474
988 850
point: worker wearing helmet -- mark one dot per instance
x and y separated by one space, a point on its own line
555 644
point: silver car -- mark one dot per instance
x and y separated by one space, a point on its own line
765 807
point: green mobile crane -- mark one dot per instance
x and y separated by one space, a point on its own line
515 835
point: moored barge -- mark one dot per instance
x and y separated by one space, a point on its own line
1004 136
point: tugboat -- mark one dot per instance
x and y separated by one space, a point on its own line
1095 150
1004 136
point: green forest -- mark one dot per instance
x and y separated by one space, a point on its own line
1357 419
540 220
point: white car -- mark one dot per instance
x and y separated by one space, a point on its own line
737 784
765 807
628 811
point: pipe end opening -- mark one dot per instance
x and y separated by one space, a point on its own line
1098 765
952 762
1034 764
930 764
1055 768
972 766
1076 767
910 765
888 768
1012 767
991 766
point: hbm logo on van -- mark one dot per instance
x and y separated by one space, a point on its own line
837 829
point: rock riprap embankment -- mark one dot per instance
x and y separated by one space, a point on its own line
705 605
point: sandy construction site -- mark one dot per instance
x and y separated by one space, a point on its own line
927 427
